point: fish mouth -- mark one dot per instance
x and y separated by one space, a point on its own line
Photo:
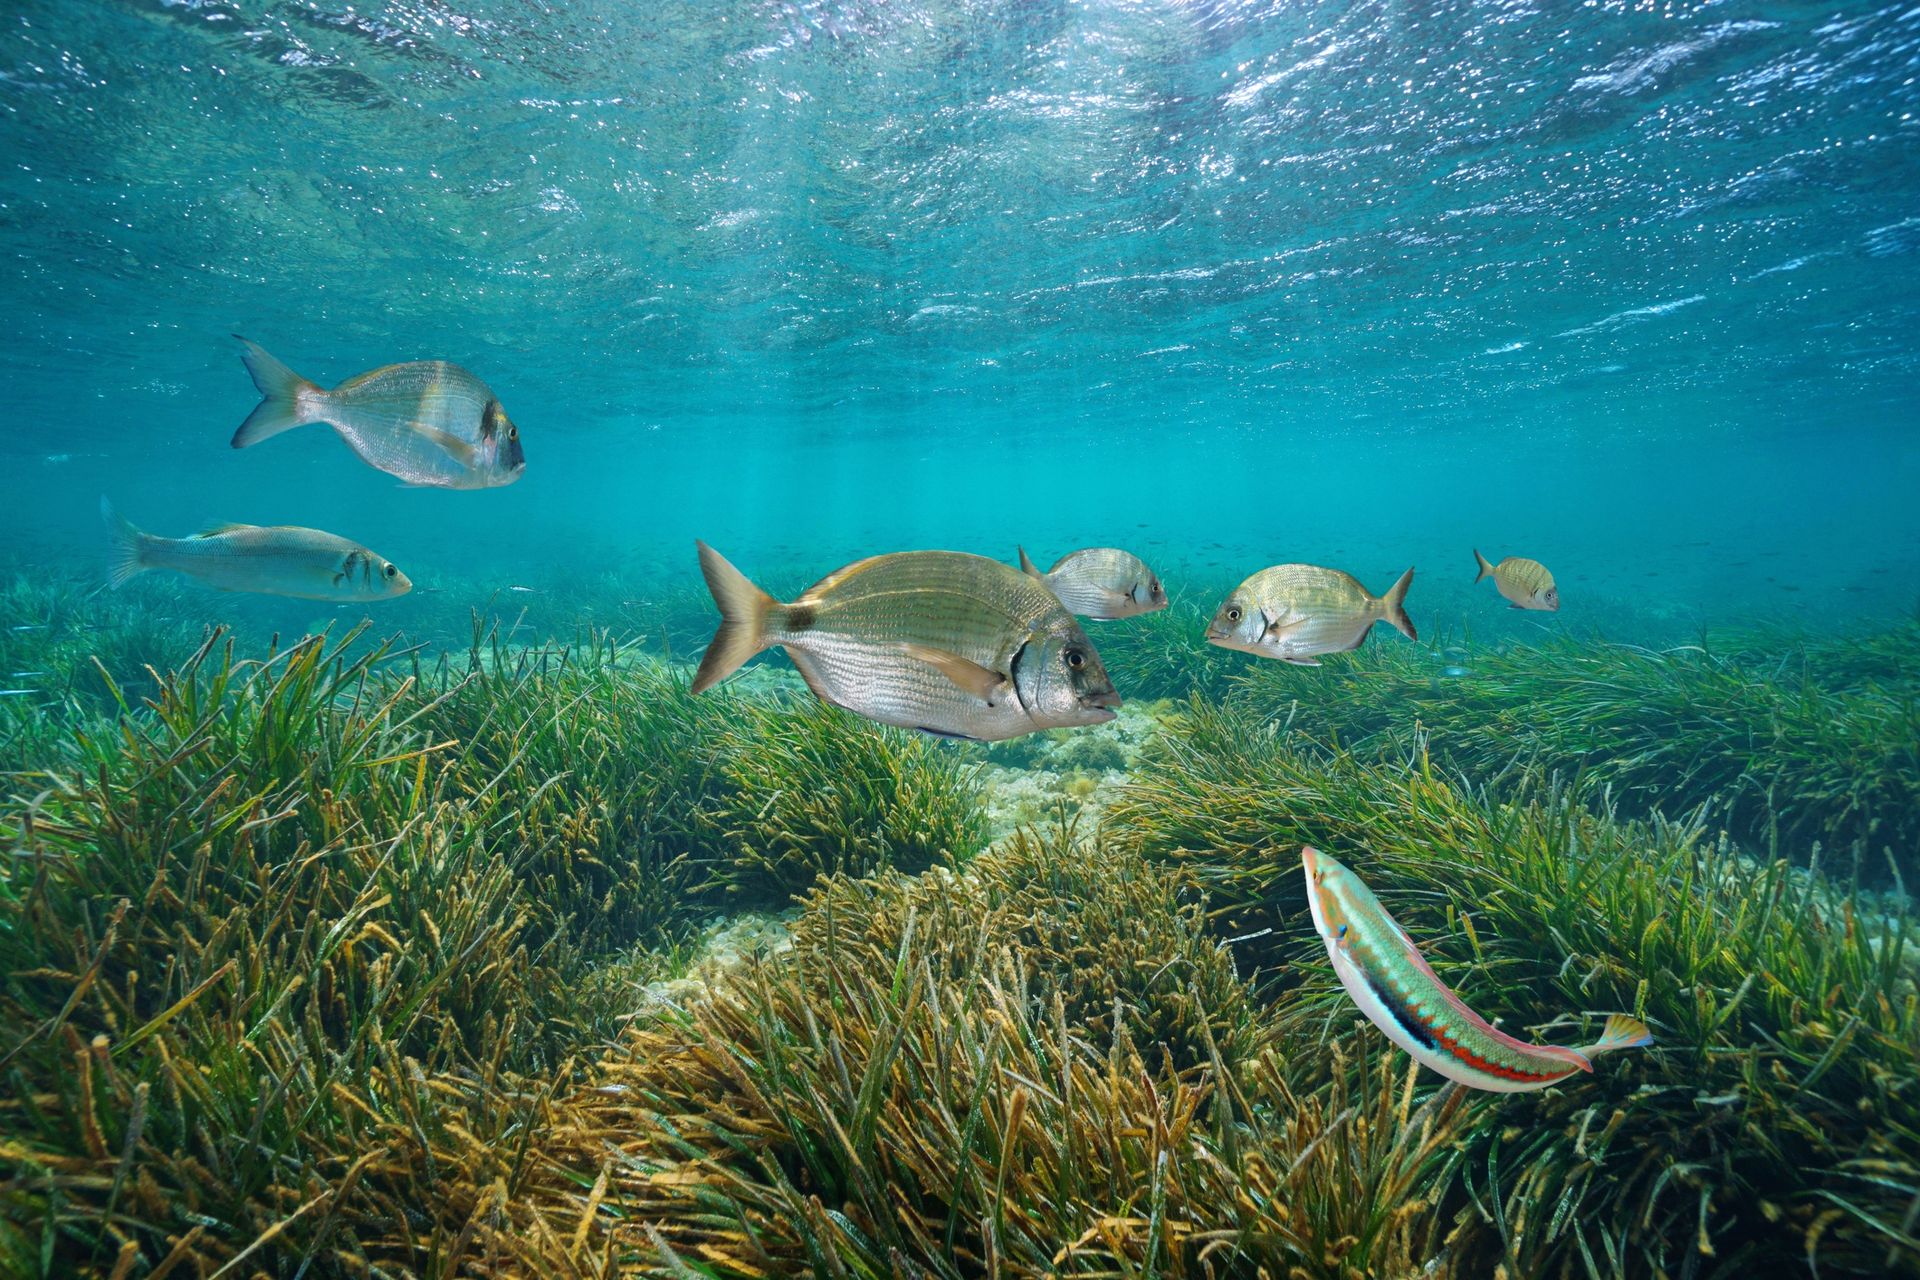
1105 701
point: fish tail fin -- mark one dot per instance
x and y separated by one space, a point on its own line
124 548
287 400
1393 606
744 609
1482 563
1028 567
1621 1032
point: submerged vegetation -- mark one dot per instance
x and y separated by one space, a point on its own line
1810 744
1778 1116
275 941
347 959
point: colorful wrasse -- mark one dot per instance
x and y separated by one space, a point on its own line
1402 995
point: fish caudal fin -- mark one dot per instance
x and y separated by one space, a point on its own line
123 551
287 399
1621 1032
1028 567
743 619
1482 563
1393 606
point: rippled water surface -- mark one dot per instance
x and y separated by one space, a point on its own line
1633 288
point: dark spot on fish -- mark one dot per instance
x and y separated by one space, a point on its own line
1419 1030
802 616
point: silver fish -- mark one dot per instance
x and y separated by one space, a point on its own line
427 421
1295 612
276 560
953 644
1527 584
1101 583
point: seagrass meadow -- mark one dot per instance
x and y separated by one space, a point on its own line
366 955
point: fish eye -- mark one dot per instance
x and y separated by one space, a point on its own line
1076 659
1233 613
391 572
1341 932
513 433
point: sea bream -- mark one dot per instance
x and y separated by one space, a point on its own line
1102 583
952 644
1401 994
275 560
1296 612
1527 584
428 422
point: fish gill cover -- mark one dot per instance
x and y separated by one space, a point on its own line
442 931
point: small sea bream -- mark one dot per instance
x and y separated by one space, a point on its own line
274 560
1102 583
1525 583
428 422
1296 612
952 644
1401 994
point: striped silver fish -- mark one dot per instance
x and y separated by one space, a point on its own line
1101 583
276 560
428 422
1525 583
952 644
1295 612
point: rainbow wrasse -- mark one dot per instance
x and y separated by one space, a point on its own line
1401 994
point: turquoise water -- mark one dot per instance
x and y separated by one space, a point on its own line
468 941
1630 289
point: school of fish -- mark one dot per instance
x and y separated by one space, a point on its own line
951 644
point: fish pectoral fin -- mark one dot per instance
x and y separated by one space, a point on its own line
448 443
1300 662
1279 624
967 675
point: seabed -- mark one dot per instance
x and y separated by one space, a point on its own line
350 956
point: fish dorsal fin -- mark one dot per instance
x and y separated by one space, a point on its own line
838 576
1028 567
215 530
967 675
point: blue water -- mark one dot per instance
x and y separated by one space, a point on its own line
1633 289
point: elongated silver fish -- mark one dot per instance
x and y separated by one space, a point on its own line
1525 583
1295 612
427 421
1101 583
953 644
1401 994
275 560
